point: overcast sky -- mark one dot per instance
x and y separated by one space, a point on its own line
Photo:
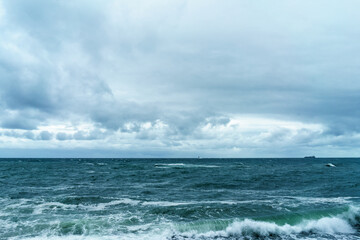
160 78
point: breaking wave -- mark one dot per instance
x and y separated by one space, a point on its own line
341 224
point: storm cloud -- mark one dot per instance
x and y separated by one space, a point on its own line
180 78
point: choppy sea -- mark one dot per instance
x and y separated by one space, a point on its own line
178 199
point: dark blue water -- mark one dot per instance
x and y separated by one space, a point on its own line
179 199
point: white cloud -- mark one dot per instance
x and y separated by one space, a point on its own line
241 132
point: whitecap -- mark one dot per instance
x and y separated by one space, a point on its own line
338 224
102 206
53 206
101 164
172 204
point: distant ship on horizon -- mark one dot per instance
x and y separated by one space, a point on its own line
309 157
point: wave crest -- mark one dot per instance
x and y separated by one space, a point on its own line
324 225
343 223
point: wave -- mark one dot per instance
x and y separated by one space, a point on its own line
313 200
103 228
104 204
345 223
171 204
275 202
99 237
54 206
338 226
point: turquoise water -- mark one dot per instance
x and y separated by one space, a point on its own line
179 199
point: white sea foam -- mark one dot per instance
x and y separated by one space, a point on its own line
127 201
136 228
165 203
171 204
102 206
328 225
339 224
139 233
52 206
175 164
312 200
21 202
283 203
286 202
101 164
5 225
95 237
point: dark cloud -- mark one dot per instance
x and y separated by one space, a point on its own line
19 124
21 119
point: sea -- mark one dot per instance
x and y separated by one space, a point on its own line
179 199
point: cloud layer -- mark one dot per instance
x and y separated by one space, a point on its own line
179 78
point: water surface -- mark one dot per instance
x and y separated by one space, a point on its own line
179 199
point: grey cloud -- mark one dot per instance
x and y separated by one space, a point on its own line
82 135
92 135
218 121
185 63
24 134
12 134
29 135
24 94
61 136
25 119
45 135
278 136
113 115
19 124
54 18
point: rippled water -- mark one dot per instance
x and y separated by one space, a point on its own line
179 199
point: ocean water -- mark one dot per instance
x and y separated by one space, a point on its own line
179 199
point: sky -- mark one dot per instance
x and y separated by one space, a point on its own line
180 78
